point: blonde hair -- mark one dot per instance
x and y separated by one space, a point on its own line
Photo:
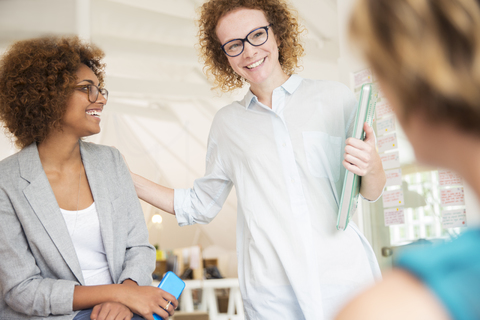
284 24
428 51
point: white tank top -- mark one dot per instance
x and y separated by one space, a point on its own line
84 229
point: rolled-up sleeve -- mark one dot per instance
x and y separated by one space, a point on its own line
204 201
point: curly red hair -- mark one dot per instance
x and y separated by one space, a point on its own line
37 77
284 23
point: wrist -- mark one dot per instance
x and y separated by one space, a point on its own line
120 293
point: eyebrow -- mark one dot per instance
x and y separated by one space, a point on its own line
87 80
243 37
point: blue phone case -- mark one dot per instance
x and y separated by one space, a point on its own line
171 284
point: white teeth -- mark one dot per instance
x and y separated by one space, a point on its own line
256 64
95 113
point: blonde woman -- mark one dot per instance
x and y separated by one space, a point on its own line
426 54
282 148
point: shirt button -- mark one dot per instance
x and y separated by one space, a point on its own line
284 144
293 180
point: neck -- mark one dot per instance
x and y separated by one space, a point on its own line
59 151
263 91
468 168
461 153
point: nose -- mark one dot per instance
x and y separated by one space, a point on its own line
101 99
249 50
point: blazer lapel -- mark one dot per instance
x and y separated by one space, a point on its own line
99 187
43 202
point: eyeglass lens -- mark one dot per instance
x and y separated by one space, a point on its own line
93 93
256 38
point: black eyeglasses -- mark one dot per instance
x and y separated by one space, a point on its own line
256 38
93 91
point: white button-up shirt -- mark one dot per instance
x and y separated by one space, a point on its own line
286 165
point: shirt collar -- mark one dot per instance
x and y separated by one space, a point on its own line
292 83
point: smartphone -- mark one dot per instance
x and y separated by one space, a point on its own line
172 284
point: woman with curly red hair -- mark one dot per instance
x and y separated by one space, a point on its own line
72 232
282 148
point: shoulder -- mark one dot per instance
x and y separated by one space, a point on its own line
451 271
439 262
108 161
9 162
326 86
329 92
227 116
11 165
398 296
9 170
231 110
101 151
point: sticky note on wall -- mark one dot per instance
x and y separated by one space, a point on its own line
387 142
394 216
390 160
393 198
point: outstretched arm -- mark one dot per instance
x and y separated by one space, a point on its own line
361 158
153 193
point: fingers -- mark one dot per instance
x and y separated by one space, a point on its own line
359 153
162 312
169 307
368 141
111 311
364 155
353 168
362 166
127 316
369 134
359 144
95 312
146 300
103 314
168 297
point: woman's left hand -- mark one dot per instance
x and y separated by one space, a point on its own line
111 311
360 156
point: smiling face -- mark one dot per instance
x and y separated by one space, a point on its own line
82 118
258 65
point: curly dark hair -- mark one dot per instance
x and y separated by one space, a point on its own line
284 23
37 77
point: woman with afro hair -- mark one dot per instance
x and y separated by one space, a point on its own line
73 239
282 148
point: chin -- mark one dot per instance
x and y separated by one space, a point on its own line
91 133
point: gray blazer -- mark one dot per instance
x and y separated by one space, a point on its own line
38 264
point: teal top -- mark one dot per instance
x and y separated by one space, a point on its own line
451 271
